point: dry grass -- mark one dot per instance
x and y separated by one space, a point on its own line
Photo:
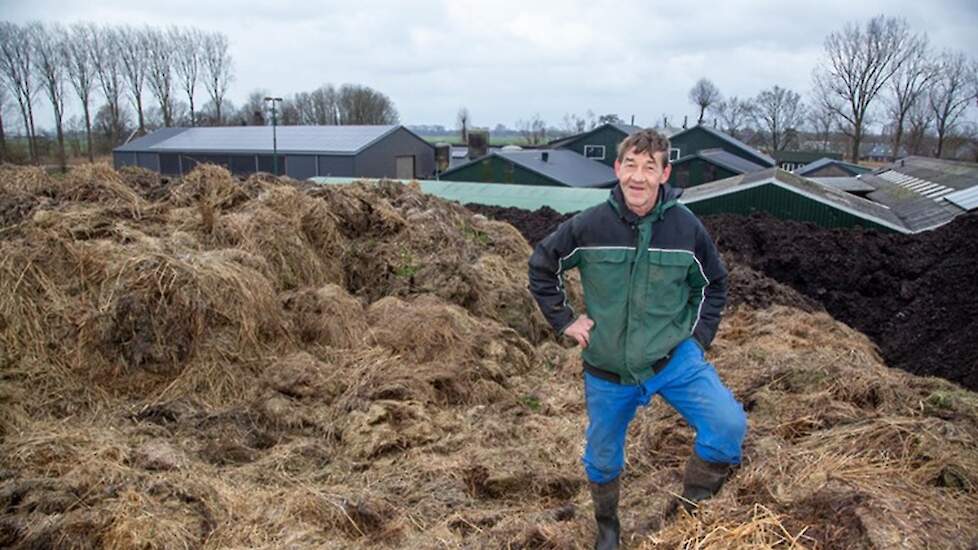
213 363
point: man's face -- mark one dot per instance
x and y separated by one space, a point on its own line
640 176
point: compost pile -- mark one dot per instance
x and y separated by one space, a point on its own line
915 296
210 363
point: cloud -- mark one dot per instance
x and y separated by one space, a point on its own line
508 59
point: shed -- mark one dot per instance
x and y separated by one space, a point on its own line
709 165
600 143
787 196
700 138
303 151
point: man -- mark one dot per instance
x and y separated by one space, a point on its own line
654 287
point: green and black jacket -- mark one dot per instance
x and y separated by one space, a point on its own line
649 283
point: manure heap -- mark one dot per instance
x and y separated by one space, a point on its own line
212 363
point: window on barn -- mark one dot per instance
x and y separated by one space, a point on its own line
594 152
673 154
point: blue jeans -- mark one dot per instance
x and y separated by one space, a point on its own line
690 385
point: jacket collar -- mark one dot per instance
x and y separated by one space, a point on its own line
668 197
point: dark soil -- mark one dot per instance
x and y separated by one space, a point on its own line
916 296
533 225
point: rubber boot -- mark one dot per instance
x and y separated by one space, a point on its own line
605 497
701 481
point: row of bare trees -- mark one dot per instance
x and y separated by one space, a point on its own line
324 106
885 59
879 72
776 113
111 64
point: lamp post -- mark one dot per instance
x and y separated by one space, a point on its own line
273 101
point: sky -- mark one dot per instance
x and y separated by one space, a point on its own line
508 60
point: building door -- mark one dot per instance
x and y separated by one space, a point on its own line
405 167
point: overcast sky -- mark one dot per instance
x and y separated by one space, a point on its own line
506 60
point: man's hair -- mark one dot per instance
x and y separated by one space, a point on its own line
645 141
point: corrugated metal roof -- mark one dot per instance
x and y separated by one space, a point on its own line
144 143
917 211
527 197
967 199
955 174
567 167
924 187
343 140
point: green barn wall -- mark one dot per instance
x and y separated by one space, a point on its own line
609 137
494 169
697 172
697 139
782 204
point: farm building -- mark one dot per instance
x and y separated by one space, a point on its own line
787 196
558 167
793 160
600 144
303 151
709 165
701 138
827 167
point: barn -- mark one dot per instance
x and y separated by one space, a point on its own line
299 152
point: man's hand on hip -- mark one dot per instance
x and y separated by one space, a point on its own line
580 330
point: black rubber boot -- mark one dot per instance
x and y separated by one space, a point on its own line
605 497
701 481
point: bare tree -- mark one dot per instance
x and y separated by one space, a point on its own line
574 124
950 95
909 84
108 68
160 70
703 94
734 114
132 49
288 113
81 72
463 121
3 136
859 62
325 105
51 64
821 121
919 121
188 47
252 113
779 111
534 131
217 70
364 105
16 67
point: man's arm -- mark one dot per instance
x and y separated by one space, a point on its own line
551 258
708 288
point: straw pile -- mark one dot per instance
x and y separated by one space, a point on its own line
221 363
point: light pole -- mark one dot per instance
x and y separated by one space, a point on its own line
273 101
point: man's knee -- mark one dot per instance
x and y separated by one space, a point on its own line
602 468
